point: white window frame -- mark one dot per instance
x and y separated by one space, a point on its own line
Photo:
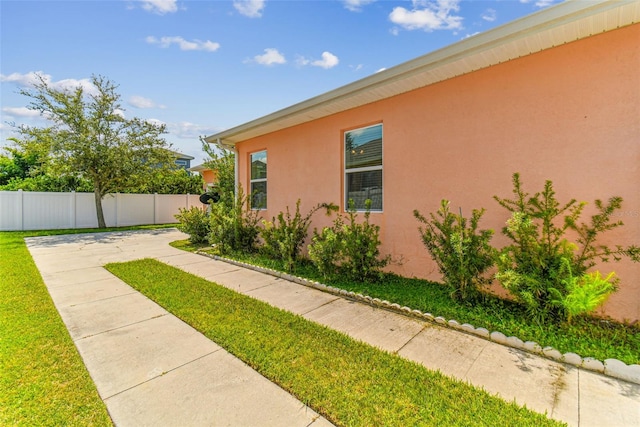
252 181
346 171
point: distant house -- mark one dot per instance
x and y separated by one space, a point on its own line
208 175
555 95
183 160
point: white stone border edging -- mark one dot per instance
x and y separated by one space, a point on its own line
610 367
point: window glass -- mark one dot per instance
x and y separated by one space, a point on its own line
259 165
363 167
363 147
259 180
365 185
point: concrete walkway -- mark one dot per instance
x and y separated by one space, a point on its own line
150 368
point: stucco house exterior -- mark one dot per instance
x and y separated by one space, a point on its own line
208 175
553 96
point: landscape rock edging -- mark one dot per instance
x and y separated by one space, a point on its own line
609 367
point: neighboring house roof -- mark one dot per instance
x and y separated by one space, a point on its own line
557 25
180 156
199 168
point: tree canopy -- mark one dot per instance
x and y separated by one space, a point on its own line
90 138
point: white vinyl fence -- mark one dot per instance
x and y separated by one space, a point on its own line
26 210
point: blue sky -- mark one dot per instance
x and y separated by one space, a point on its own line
205 66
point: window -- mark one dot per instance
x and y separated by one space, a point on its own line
363 167
259 180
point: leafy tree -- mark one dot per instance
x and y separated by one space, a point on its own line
222 162
177 181
90 137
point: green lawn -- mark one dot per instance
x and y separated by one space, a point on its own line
349 382
42 378
43 381
588 337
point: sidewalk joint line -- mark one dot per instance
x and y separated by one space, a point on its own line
164 373
103 299
409 340
322 305
123 326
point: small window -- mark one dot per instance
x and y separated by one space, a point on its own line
259 180
363 167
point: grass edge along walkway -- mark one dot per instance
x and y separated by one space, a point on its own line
588 337
349 382
43 380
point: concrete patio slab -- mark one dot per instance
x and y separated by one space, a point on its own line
232 393
207 268
123 358
72 277
292 297
84 292
567 399
380 328
512 374
183 258
100 316
242 280
441 349
605 401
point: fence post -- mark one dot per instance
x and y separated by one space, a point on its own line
21 209
117 208
155 208
73 209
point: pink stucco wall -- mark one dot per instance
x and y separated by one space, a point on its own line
570 114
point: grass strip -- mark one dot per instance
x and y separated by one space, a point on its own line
349 382
43 381
586 336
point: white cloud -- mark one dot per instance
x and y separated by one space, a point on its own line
356 5
20 112
160 6
30 79
155 122
271 56
142 102
329 60
428 15
183 44
250 8
541 3
187 130
489 15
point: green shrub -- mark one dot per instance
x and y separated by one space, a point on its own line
350 248
461 251
194 222
537 267
585 293
234 228
325 250
284 236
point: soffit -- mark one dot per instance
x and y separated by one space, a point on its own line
561 24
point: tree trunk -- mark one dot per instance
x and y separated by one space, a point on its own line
99 212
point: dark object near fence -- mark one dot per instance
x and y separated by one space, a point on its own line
208 198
